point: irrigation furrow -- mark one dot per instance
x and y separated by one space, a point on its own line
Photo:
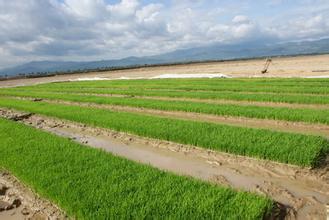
302 191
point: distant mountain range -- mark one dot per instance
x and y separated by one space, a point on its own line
211 52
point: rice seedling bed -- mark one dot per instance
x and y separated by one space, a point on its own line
92 184
302 150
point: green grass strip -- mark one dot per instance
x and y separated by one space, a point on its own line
92 184
250 111
221 95
303 150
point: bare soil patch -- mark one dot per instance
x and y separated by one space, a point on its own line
300 66
19 202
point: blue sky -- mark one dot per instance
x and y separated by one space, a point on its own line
107 29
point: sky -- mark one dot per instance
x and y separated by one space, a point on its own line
83 30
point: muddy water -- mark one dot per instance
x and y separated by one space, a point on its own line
303 192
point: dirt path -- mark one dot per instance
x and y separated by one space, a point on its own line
18 202
277 125
304 193
301 66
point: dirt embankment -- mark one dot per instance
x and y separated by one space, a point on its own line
18 202
301 66
302 193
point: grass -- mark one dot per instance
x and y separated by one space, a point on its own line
92 184
250 111
302 150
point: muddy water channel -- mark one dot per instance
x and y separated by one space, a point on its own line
300 193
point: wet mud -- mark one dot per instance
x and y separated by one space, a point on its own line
18 202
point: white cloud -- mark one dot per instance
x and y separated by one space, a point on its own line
84 8
149 13
301 27
241 19
124 9
95 29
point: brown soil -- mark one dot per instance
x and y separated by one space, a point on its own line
302 192
301 66
277 125
19 202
